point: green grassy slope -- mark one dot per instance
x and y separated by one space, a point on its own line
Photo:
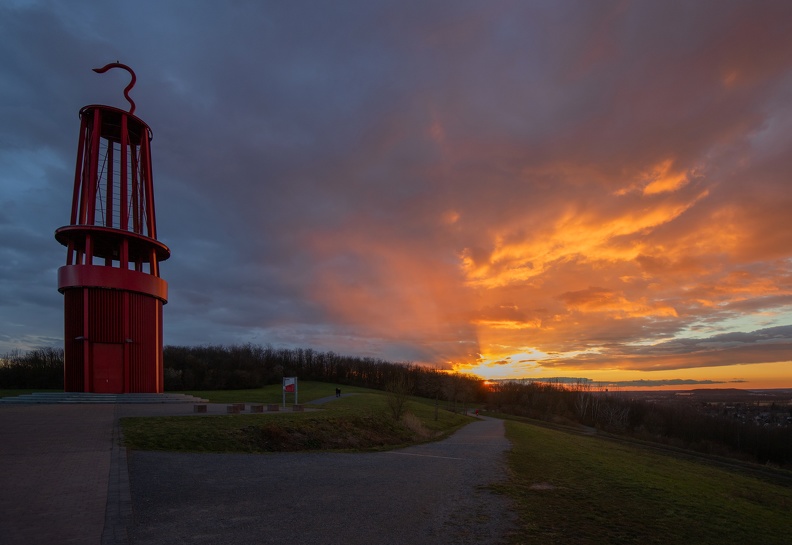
586 490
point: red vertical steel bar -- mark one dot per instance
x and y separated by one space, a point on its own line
70 253
139 172
90 159
124 159
134 173
89 250
124 254
149 190
135 197
78 204
159 368
86 346
84 183
109 195
135 200
92 164
126 334
109 191
124 250
78 170
135 163
85 174
145 203
123 192
95 181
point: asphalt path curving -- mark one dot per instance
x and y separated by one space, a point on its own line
434 493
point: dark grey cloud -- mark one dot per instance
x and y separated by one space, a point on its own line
772 344
774 335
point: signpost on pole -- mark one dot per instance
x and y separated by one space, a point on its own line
290 386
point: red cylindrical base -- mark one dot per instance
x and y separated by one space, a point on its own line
113 341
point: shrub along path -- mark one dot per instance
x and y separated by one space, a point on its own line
433 493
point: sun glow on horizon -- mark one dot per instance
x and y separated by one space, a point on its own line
754 376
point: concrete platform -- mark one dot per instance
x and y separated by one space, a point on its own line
91 398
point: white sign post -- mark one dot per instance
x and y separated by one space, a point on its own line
290 386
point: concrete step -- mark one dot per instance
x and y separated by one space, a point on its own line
83 397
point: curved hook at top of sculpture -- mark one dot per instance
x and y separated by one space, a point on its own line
128 87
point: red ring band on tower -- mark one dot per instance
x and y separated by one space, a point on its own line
97 276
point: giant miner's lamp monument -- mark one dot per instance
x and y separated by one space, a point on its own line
113 293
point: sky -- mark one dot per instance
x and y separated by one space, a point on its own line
513 189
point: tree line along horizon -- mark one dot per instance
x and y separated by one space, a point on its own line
236 367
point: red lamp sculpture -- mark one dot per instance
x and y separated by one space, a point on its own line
113 293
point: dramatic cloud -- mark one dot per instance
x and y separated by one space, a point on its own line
501 187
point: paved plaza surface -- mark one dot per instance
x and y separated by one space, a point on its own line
64 479
54 467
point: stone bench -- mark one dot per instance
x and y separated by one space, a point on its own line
257 408
233 409
199 408
273 408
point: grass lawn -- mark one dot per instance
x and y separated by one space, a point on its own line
357 423
587 490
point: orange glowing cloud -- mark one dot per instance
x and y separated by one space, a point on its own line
382 290
575 234
663 180
660 178
607 301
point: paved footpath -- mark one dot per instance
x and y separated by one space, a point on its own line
63 476
428 494
54 467
64 479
